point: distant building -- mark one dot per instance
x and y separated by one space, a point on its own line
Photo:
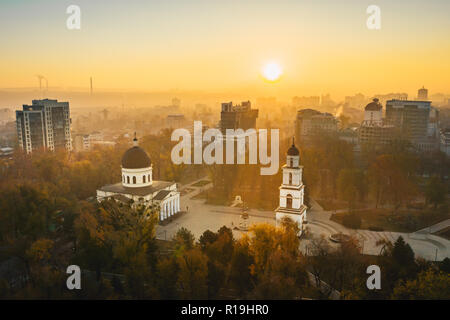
237 116
411 120
96 136
311 122
82 142
175 121
422 94
44 125
391 96
292 191
374 132
355 101
306 102
445 141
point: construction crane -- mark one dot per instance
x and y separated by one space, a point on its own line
40 78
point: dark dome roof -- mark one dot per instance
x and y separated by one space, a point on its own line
135 158
293 151
375 105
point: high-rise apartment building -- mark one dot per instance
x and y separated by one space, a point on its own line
237 116
45 124
410 117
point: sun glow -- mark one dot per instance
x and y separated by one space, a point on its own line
272 71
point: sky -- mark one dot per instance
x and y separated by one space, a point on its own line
323 46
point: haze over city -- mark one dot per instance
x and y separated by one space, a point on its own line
240 152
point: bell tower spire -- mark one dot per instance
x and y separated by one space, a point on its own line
135 140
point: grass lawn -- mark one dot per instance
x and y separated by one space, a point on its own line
201 183
444 233
330 205
405 220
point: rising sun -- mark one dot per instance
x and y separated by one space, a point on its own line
272 71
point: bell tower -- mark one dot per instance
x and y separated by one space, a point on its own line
292 190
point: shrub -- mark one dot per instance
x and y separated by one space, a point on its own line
352 220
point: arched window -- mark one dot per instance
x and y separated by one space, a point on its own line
128 179
149 178
290 178
143 179
292 162
289 201
134 179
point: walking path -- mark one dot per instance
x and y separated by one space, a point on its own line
423 243
201 217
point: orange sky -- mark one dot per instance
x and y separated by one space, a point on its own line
322 46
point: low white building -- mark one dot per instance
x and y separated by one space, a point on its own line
138 185
292 191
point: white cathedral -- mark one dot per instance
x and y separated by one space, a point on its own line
138 185
292 191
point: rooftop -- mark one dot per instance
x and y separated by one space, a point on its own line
143 191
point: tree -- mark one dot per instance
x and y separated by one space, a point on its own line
241 278
398 263
206 238
193 274
184 239
435 192
429 284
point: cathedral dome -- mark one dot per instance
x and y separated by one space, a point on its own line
375 105
135 158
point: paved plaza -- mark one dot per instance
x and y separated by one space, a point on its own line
200 217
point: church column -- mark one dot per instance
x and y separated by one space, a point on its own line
172 207
166 209
178 203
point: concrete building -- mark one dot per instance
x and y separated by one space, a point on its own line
82 142
44 125
175 121
138 186
355 101
374 132
411 120
237 116
292 191
311 122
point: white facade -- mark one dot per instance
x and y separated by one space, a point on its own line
292 192
137 178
